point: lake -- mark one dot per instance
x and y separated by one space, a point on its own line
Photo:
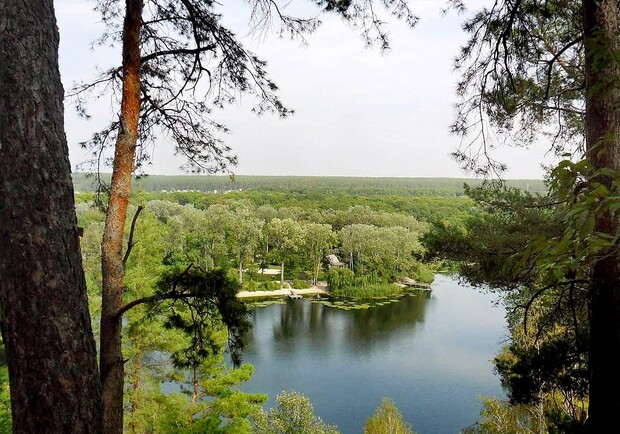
430 353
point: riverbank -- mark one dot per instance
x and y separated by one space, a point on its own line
314 290
322 290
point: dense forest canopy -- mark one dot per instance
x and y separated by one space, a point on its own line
307 184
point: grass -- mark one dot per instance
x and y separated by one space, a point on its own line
369 291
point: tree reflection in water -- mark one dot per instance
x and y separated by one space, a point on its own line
322 325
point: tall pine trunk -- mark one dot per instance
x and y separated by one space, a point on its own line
603 147
43 303
113 268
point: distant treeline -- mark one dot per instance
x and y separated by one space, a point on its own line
308 184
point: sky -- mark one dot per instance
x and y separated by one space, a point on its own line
358 112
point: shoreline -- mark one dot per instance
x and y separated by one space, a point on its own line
315 290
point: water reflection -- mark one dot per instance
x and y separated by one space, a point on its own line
323 324
429 352
369 325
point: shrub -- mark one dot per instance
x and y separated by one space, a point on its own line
339 278
251 285
294 414
387 420
269 285
232 274
301 284
424 275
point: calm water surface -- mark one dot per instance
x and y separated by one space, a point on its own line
430 353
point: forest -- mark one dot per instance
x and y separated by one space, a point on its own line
237 235
118 304
305 187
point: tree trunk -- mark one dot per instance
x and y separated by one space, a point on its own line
113 269
282 275
192 411
43 303
195 384
603 146
240 271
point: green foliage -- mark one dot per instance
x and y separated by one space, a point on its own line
531 372
294 414
219 407
529 249
5 398
301 284
592 195
216 397
243 234
269 285
387 420
387 251
250 285
368 291
424 274
432 207
312 186
196 302
319 240
499 417
340 278
91 220
169 236
159 412
343 283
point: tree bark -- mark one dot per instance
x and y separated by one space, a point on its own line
43 302
603 146
195 395
282 275
195 384
113 269
240 270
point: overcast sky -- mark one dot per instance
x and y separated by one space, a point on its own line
358 112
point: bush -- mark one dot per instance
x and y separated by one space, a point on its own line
301 284
339 278
294 414
232 274
251 285
269 285
424 275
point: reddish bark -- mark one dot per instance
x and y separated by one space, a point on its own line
113 269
